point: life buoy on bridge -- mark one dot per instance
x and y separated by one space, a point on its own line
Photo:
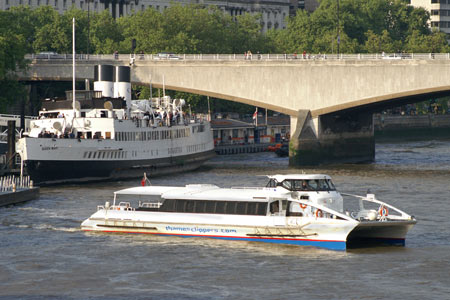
383 211
319 213
303 206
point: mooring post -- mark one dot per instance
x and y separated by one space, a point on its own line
11 143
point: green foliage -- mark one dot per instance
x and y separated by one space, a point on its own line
12 51
364 26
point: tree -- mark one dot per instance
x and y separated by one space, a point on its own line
105 33
420 43
146 28
380 43
12 52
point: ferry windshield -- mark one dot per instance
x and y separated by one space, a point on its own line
308 185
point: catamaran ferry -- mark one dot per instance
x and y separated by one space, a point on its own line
103 134
292 209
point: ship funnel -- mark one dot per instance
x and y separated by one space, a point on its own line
104 80
122 84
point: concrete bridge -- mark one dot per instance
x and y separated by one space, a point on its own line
330 100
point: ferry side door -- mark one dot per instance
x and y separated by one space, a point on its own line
277 211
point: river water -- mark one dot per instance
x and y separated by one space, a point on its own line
44 255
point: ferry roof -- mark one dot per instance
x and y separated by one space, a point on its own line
206 192
147 190
280 178
226 194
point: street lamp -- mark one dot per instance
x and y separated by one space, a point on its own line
338 32
89 27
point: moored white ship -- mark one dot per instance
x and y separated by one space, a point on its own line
292 209
109 136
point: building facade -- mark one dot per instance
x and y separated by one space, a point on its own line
273 12
439 11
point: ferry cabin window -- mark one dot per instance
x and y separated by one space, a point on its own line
308 185
220 207
331 185
210 207
252 208
189 206
274 207
240 208
200 206
230 208
214 207
272 183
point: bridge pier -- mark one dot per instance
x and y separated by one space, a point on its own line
333 138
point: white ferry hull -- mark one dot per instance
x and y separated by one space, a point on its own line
338 239
310 232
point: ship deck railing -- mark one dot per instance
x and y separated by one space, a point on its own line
12 183
361 206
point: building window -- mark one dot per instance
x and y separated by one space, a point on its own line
435 1
435 12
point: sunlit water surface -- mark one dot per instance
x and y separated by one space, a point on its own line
44 255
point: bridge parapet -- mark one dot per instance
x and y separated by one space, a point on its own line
253 57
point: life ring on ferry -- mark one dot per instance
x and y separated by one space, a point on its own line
318 213
383 211
303 206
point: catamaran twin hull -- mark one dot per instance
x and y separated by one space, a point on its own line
337 236
292 209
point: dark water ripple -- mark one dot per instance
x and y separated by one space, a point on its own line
44 255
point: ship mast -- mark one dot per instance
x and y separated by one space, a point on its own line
73 66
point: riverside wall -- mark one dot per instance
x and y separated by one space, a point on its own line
411 126
19 196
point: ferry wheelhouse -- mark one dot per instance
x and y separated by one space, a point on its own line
292 209
105 135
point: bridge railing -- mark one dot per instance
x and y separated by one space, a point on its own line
231 57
